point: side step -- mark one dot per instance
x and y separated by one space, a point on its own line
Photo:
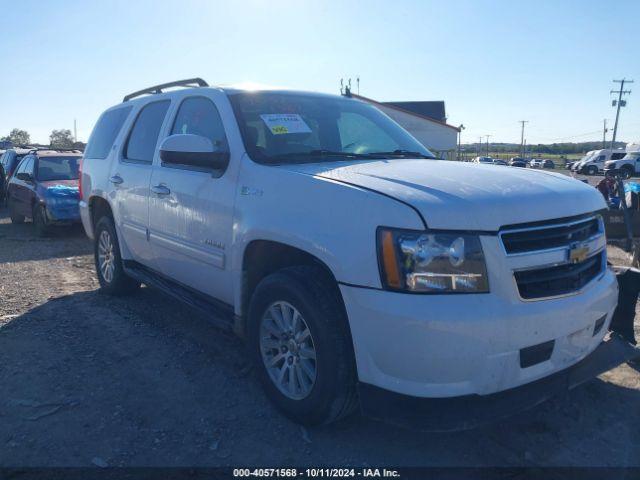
220 313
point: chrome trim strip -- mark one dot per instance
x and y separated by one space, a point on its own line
548 227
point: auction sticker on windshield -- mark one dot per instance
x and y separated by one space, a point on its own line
282 123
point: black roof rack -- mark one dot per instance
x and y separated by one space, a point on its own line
190 82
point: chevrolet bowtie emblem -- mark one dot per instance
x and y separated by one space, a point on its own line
578 253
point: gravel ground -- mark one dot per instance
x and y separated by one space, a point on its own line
88 380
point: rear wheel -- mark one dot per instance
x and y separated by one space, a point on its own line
627 171
111 276
40 221
301 345
15 216
592 170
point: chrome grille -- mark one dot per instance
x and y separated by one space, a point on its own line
559 280
555 258
552 235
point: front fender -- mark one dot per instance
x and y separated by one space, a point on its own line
333 221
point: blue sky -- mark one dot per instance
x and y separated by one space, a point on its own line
493 62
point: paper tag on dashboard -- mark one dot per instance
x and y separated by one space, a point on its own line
283 123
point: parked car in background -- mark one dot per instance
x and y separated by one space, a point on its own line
439 287
483 160
547 164
536 163
596 162
626 166
8 163
497 161
45 189
518 162
576 166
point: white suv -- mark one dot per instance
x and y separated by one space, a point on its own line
354 264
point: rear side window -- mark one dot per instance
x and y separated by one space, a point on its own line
105 132
199 116
144 135
617 156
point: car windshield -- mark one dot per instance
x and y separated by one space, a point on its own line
282 127
58 168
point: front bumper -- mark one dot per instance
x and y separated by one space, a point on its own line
470 411
470 344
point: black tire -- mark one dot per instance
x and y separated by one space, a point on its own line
40 221
310 290
120 283
592 170
15 217
627 171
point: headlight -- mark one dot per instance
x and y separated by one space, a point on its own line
446 262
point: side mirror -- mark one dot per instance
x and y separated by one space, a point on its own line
192 150
24 176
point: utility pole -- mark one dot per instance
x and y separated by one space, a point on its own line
460 128
75 130
488 143
522 122
480 146
604 134
619 103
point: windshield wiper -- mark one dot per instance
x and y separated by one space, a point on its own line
314 154
404 153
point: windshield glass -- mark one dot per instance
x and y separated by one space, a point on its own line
58 168
632 156
586 157
282 127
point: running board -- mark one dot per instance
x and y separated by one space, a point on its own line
220 313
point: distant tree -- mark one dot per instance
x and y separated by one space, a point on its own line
61 138
17 137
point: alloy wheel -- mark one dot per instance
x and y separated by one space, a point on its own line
288 351
106 260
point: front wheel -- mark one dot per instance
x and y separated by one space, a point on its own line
111 276
15 216
627 172
592 170
300 342
40 221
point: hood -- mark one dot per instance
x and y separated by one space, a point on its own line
466 196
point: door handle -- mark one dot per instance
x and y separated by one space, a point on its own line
116 179
161 190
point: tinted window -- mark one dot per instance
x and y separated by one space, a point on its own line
58 168
105 132
26 165
199 116
144 136
617 156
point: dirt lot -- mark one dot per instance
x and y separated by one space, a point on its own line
90 380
